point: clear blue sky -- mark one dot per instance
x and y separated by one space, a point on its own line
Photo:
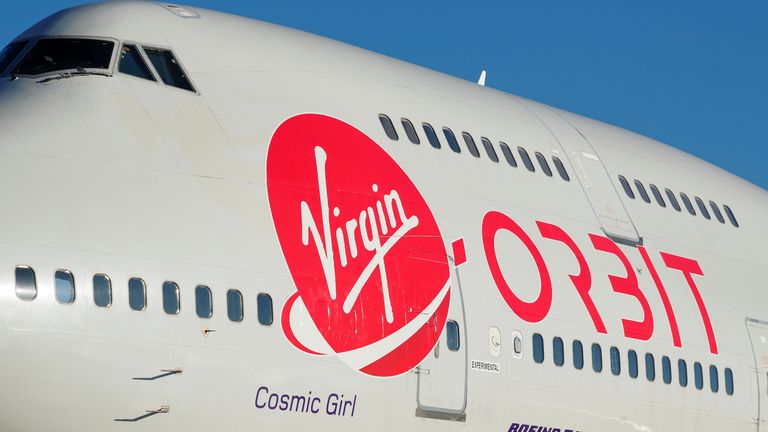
693 74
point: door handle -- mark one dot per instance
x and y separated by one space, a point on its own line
165 373
164 409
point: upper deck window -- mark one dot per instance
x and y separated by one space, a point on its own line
9 53
168 68
62 54
131 63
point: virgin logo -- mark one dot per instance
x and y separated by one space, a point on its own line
352 227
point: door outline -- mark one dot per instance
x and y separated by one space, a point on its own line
761 393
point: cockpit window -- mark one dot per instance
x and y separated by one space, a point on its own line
61 54
131 63
9 53
168 68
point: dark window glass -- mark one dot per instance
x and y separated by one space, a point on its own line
508 154
682 372
688 204
264 309
131 63
234 305
9 53
168 68
543 164
650 367
561 168
714 382
597 358
643 193
578 355
102 290
716 211
26 285
171 298
470 142
389 128
452 143
702 208
538 348
431 135
627 188
452 335
64 286
666 370
49 55
728 381
526 159
137 294
657 195
673 200
731 216
489 149
557 351
698 376
632 363
203 301
615 361
410 131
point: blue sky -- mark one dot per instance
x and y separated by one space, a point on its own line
693 74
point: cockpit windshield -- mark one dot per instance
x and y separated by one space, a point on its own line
62 54
9 53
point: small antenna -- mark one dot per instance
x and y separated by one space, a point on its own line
481 81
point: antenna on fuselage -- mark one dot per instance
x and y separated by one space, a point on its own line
481 81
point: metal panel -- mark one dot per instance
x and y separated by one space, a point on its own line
758 336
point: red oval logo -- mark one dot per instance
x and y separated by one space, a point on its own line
352 226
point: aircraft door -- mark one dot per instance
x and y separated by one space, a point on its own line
758 336
442 376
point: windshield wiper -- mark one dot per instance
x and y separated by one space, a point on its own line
69 74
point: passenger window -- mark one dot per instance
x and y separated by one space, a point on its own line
716 211
203 301
131 63
264 309
470 142
728 381
657 195
557 351
9 53
526 159
452 143
508 154
632 361
615 361
538 348
650 367
561 168
61 54
578 355
688 204
731 216
627 188
673 200
137 294
702 208
64 286
597 358
698 376
543 164
452 335
26 284
714 383
389 128
666 370
431 135
410 131
489 149
682 371
168 68
234 305
171 298
643 193
102 290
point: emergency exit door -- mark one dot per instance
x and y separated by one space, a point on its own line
758 336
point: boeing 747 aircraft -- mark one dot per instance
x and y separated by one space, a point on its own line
212 223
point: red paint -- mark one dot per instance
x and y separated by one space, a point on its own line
664 297
459 252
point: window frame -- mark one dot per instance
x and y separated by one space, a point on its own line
614 356
489 149
642 191
673 200
432 137
155 78
144 294
526 158
543 164
506 150
688 204
109 290
178 297
271 309
537 348
16 282
178 61
453 143
31 42
19 55
578 353
242 306
627 187
597 357
657 195
452 324
650 367
560 167
558 351
702 208
410 131
207 289
633 365
469 140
